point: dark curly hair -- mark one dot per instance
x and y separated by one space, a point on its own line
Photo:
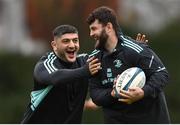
104 15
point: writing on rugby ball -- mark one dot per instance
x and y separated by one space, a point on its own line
132 77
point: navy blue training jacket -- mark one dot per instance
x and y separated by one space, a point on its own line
129 53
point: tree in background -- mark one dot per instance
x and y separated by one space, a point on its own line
44 15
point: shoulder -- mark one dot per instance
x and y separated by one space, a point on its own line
136 48
47 61
131 45
48 56
133 51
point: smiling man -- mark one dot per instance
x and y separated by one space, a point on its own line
117 53
60 81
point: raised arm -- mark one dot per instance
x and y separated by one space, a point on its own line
54 76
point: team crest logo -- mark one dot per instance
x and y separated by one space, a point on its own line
117 63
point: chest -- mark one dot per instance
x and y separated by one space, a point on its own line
73 88
112 65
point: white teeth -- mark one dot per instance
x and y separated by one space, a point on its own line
71 51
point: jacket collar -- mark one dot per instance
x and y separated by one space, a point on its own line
116 50
118 47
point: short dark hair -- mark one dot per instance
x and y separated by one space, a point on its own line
63 29
104 15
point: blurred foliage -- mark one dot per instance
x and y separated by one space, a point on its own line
167 47
44 16
15 86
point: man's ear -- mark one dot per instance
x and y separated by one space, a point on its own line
53 44
109 27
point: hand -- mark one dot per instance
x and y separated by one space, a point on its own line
113 94
89 104
141 38
132 95
94 65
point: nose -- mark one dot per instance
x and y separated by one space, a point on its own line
91 33
71 44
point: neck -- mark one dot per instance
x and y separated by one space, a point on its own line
111 43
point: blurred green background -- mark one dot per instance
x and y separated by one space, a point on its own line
16 70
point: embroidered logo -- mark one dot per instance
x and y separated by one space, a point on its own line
117 63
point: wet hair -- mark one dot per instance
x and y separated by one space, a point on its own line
104 15
63 29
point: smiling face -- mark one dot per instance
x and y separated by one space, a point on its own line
66 47
98 32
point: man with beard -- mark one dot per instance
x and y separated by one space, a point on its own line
60 81
117 53
89 104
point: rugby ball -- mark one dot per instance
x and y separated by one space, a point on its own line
132 77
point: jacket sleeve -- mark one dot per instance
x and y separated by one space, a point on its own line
155 84
44 75
157 76
101 96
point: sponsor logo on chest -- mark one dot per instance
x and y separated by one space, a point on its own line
109 74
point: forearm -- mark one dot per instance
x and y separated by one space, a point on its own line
155 84
63 76
60 76
101 96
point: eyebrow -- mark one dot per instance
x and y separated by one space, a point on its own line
72 38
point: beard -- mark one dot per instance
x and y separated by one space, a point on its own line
100 44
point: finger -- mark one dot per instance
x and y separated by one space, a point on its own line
90 59
94 61
146 41
125 92
124 95
95 65
138 36
132 88
143 38
113 93
98 68
95 70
